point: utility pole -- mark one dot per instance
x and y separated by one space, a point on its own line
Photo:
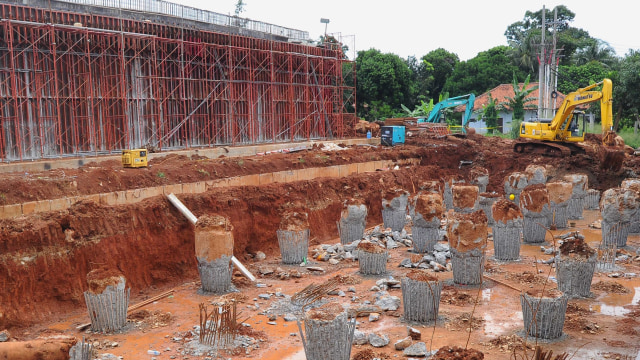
547 69
541 69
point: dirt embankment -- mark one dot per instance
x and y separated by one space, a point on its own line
47 256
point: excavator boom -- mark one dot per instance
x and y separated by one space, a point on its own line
468 100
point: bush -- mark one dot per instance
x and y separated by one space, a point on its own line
515 129
630 138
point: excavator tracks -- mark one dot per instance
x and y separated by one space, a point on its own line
543 148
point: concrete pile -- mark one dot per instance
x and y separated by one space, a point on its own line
447 194
467 235
592 201
514 183
214 249
485 202
543 313
426 210
432 186
464 198
575 267
479 177
580 184
394 208
353 221
617 207
328 333
293 237
559 198
107 300
536 211
421 296
506 230
536 174
633 185
372 258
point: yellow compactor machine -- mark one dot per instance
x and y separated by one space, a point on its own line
134 158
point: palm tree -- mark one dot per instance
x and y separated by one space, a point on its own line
520 96
596 51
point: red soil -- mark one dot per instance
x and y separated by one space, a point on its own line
534 198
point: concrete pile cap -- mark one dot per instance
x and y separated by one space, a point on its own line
433 186
536 174
464 196
516 180
631 184
368 246
580 184
467 232
618 205
559 191
326 312
429 206
394 198
533 198
294 221
214 222
101 278
504 210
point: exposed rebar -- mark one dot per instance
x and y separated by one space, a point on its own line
372 263
108 310
534 228
592 201
425 238
606 257
616 233
506 239
467 266
327 339
574 275
352 224
219 327
81 351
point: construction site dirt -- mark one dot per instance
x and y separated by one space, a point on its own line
45 256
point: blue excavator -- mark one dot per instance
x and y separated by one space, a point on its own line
436 115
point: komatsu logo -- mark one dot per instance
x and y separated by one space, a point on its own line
583 97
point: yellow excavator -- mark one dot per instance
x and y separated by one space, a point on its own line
561 135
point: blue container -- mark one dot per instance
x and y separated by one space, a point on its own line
392 135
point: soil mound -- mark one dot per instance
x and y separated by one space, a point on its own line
610 287
214 222
504 210
576 247
559 191
99 279
547 293
457 353
326 312
534 197
294 221
467 231
434 186
464 196
421 275
429 206
391 194
370 247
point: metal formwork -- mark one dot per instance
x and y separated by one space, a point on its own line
74 84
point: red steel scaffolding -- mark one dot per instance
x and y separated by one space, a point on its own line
74 84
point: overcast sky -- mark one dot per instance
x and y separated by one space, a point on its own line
415 27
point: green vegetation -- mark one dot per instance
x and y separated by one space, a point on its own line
204 172
240 162
161 175
389 86
630 138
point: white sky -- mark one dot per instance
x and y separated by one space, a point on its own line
415 27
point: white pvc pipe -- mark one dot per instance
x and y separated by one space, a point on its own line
183 209
193 219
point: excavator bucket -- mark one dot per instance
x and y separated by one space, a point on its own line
612 152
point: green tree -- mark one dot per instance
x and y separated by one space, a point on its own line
626 97
384 83
522 37
485 71
598 51
420 77
240 7
490 114
520 96
573 77
439 65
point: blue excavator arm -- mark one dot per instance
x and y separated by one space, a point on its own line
468 100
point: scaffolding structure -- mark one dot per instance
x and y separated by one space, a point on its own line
87 84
